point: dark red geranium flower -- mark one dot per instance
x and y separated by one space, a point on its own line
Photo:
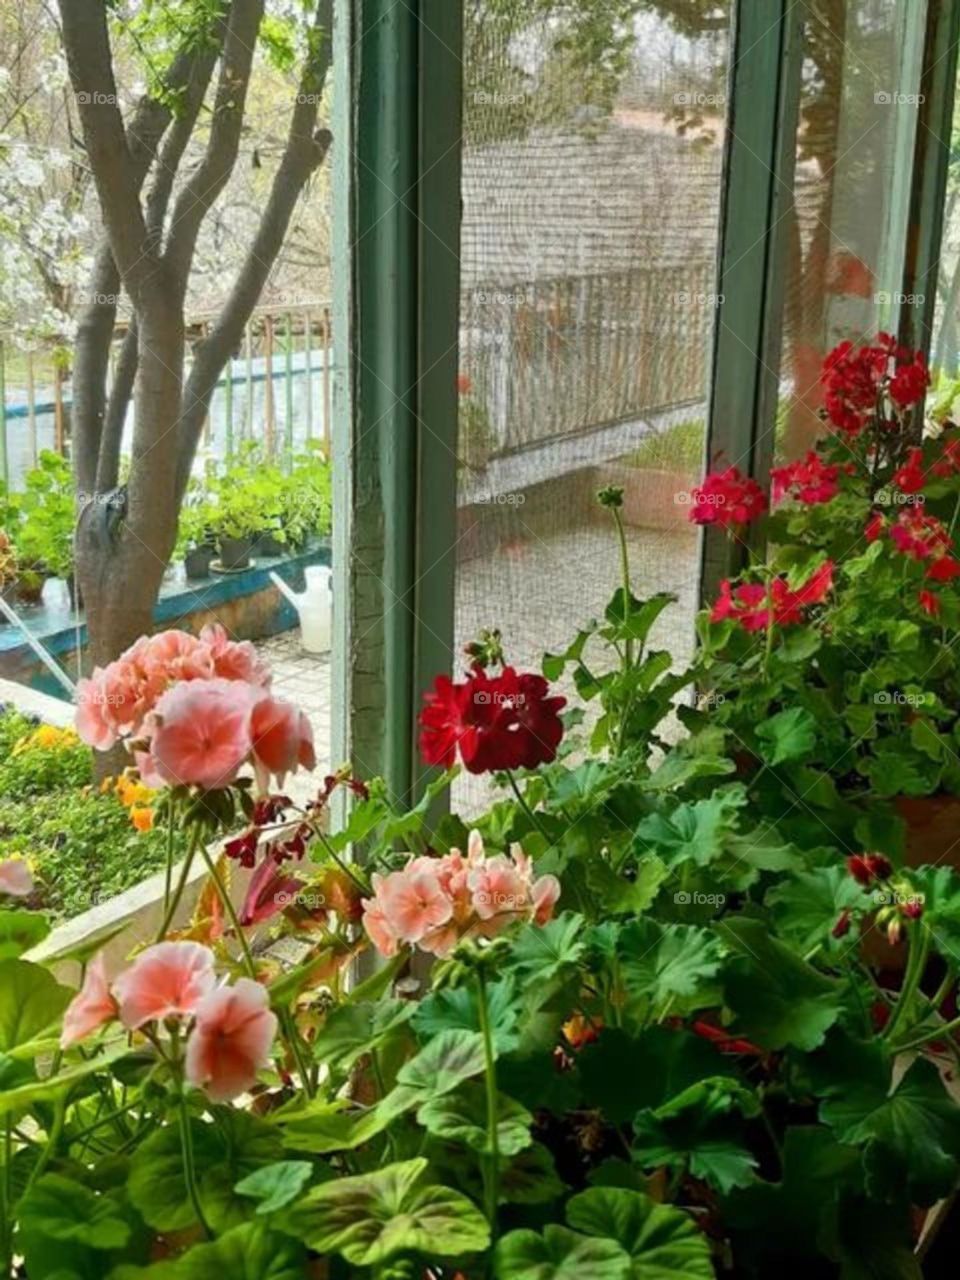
867 867
912 910
811 481
244 847
508 721
911 476
728 499
842 926
854 380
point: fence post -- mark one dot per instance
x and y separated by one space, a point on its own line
326 340
288 398
32 406
308 366
249 406
268 404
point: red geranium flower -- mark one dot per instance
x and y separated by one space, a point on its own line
944 569
929 603
727 498
507 721
921 537
854 380
750 604
810 481
948 464
909 384
911 476
875 527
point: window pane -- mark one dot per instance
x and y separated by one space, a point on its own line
858 114
591 192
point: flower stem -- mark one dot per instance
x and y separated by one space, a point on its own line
525 807
491 1160
189 1168
170 906
171 845
6 1199
625 574
916 963
224 895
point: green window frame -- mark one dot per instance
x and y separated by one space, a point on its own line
397 164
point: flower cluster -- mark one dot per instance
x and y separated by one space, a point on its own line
194 710
137 798
919 537
435 902
728 499
230 1029
114 702
507 721
810 481
856 381
755 605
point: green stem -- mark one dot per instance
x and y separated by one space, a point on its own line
515 786
189 1168
945 1030
171 846
224 895
6 1199
491 1160
916 963
625 575
196 842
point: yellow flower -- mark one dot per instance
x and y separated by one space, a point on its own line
141 817
48 738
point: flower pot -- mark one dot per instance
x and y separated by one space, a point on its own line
933 824
235 552
197 563
268 544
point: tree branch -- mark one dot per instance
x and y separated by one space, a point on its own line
211 176
111 157
305 150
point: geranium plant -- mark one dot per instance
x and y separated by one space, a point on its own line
670 1006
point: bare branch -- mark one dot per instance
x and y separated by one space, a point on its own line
305 151
211 176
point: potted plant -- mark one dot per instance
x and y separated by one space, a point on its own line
235 519
306 500
47 516
196 546
842 638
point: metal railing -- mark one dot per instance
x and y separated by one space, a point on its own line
276 390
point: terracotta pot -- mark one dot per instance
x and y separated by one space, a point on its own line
933 829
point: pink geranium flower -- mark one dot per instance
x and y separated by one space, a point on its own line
434 902
15 878
282 740
167 980
203 733
91 1007
231 1040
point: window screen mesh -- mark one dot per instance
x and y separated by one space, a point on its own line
858 110
591 190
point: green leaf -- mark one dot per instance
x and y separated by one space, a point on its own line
21 930
352 1030
695 1131
248 1252
615 894
559 1254
375 1216
672 1061
276 1185
630 618
662 1242
806 906
779 1000
697 832
660 961
461 1117
225 1152
540 952
61 1209
30 1000
789 735
909 1132
324 1126
699 756
456 1009
443 1063
27 1095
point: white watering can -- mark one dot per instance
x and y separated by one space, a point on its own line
314 605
